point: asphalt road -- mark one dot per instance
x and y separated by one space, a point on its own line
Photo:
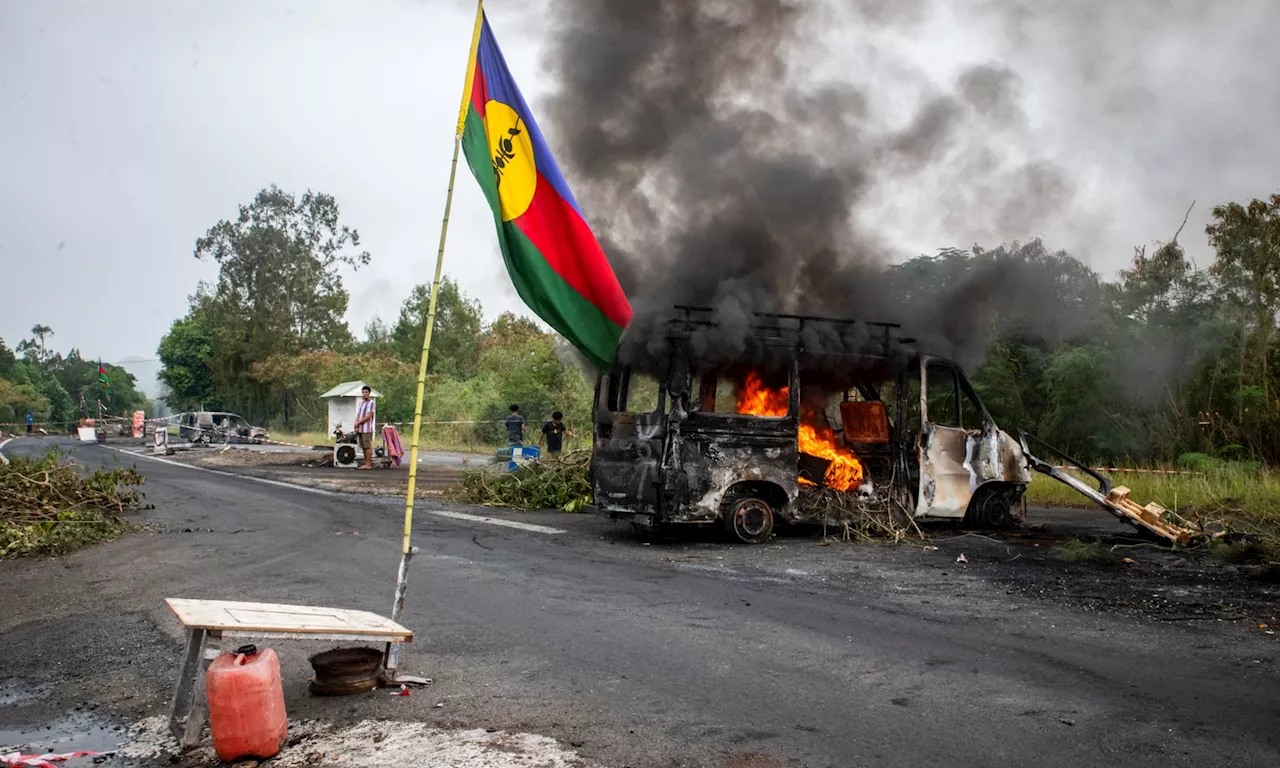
638 654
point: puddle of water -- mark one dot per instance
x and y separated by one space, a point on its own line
71 733
16 693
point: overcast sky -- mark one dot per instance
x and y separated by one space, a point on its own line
129 127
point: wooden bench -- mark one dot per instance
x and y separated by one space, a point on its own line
208 622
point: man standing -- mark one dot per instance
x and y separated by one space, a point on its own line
365 412
515 427
31 420
554 432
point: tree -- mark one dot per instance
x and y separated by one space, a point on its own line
61 409
377 337
453 337
17 400
526 368
184 358
297 381
279 289
1247 241
7 359
79 378
40 332
35 346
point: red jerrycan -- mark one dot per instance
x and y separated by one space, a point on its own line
246 704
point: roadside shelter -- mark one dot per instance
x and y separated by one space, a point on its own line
343 401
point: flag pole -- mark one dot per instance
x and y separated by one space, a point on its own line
407 550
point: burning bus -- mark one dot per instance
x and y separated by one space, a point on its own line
750 437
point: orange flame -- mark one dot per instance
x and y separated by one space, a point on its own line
814 437
756 399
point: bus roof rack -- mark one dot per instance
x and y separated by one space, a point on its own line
787 327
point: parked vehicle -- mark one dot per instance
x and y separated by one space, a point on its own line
736 444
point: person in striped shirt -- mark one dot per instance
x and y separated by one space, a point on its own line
366 410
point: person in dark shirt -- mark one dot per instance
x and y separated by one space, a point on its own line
553 432
515 427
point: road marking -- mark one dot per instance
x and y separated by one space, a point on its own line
262 480
3 443
532 527
493 521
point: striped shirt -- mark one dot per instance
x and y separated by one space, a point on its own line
365 408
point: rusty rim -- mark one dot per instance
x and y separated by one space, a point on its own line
346 670
752 520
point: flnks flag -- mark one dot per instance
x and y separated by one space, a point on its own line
102 377
554 260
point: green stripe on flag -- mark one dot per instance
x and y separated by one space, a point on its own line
542 288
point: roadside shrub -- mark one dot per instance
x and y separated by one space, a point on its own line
551 483
51 505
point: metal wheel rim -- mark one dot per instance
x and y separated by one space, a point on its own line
751 518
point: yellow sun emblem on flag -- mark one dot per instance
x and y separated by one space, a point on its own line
514 168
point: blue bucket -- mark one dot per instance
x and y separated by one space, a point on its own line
519 454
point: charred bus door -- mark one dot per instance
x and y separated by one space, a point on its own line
628 434
947 476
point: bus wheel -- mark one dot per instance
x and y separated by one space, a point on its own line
751 520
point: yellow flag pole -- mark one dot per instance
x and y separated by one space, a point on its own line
407 550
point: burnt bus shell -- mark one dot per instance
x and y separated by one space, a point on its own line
684 463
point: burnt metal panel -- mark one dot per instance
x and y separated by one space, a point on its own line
865 423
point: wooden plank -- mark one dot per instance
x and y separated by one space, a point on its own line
356 637
184 695
226 615
1149 517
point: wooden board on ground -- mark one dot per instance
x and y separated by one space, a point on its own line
234 616
1150 517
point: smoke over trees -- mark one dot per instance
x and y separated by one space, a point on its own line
726 162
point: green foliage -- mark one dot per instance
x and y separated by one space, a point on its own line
60 407
298 380
1080 551
51 506
562 482
17 400
185 352
7 359
453 336
530 368
1200 462
35 348
79 377
1080 413
1168 359
377 338
517 361
279 291
48 385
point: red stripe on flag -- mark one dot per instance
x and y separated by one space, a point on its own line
479 91
569 246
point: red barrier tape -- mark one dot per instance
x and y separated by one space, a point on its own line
44 761
1142 471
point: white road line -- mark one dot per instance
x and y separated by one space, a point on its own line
493 521
3 443
262 480
532 527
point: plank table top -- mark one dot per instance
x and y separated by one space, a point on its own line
235 616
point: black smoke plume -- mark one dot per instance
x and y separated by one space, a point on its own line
720 172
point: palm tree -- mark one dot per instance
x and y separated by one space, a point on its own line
39 332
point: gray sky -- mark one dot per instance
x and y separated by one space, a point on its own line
127 128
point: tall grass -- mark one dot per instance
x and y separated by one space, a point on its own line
1246 498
